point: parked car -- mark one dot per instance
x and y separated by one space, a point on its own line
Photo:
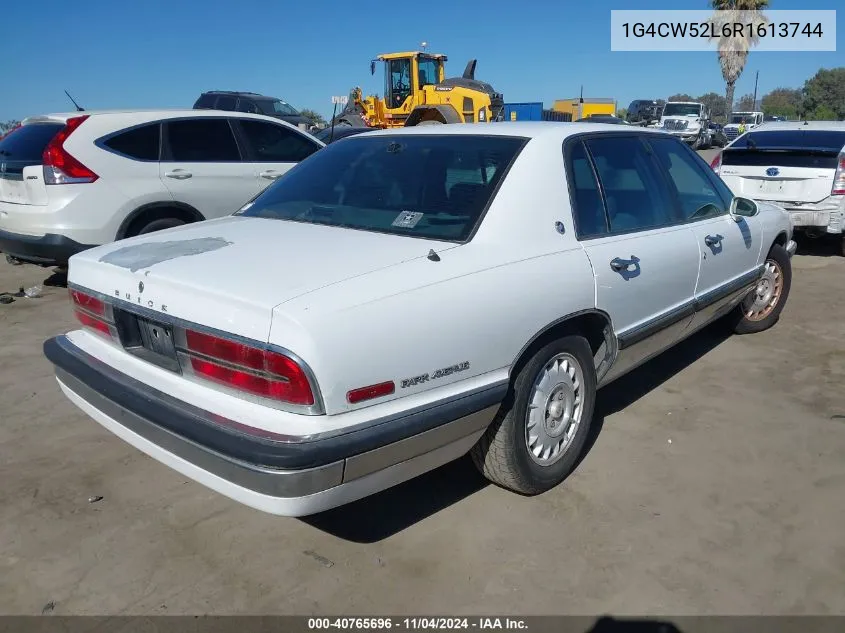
430 291
72 181
327 135
643 112
252 103
797 165
716 135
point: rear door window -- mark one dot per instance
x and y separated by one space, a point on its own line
201 140
585 197
434 187
273 143
245 105
636 194
141 143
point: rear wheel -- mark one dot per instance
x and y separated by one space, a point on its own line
159 225
539 433
761 309
431 122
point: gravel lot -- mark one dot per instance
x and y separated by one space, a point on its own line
715 484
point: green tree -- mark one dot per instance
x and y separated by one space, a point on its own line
745 103
622 113
785 102
733 50
8 125
822 113
716 104
313 117
681 97
825 92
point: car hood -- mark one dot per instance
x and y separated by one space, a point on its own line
230 273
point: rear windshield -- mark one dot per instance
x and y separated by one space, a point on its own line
27 143
832 141
814 149
434 187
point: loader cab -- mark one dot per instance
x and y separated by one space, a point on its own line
405 75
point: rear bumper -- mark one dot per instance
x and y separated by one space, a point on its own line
286 478
46 250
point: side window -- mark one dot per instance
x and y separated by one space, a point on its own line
636 194
697 194
244 105
201 140
141 143
225 103
276 143
588 208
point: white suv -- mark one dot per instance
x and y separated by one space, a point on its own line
72 181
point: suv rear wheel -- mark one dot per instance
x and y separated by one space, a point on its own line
159 225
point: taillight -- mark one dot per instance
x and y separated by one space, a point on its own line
716 163
251 369
60 168
839 177
91 313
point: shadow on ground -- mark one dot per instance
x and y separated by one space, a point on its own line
377 517
825 246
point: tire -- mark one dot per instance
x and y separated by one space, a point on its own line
698 143
431 122
158 225
502 454
762 308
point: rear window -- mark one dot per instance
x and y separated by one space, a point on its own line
434 187
793 139
205 102
27 143
815 149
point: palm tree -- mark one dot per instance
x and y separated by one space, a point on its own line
733 51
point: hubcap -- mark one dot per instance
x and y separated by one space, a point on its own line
760 303
554 409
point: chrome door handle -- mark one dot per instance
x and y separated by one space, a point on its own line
270 174
178 174
712 240
618 264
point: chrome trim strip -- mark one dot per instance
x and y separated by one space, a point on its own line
318 408
269 481
426 442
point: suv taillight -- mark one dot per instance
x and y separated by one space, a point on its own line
251 369
716 164
839 177
60 168
92 313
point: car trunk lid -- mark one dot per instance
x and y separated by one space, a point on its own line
21 174
230 273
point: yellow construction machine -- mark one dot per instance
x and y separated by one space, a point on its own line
417 92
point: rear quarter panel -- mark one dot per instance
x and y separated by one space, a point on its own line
476 308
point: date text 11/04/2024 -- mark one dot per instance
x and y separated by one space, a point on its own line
715 30
417 623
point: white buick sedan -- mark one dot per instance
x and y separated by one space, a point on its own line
401 298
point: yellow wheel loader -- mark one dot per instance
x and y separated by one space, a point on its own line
417 92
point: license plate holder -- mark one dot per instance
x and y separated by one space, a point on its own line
157 338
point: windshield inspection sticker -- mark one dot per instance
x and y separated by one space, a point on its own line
408 219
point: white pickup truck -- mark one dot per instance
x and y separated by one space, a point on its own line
687 120
751 119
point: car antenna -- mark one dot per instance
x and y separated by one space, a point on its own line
433 256
78 107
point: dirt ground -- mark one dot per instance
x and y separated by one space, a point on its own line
715 483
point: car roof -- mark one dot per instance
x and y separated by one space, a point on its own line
769 126
61 117
524 129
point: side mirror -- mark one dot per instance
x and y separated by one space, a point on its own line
743 208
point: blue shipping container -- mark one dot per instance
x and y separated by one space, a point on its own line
524 111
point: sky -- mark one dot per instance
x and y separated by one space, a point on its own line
156 54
